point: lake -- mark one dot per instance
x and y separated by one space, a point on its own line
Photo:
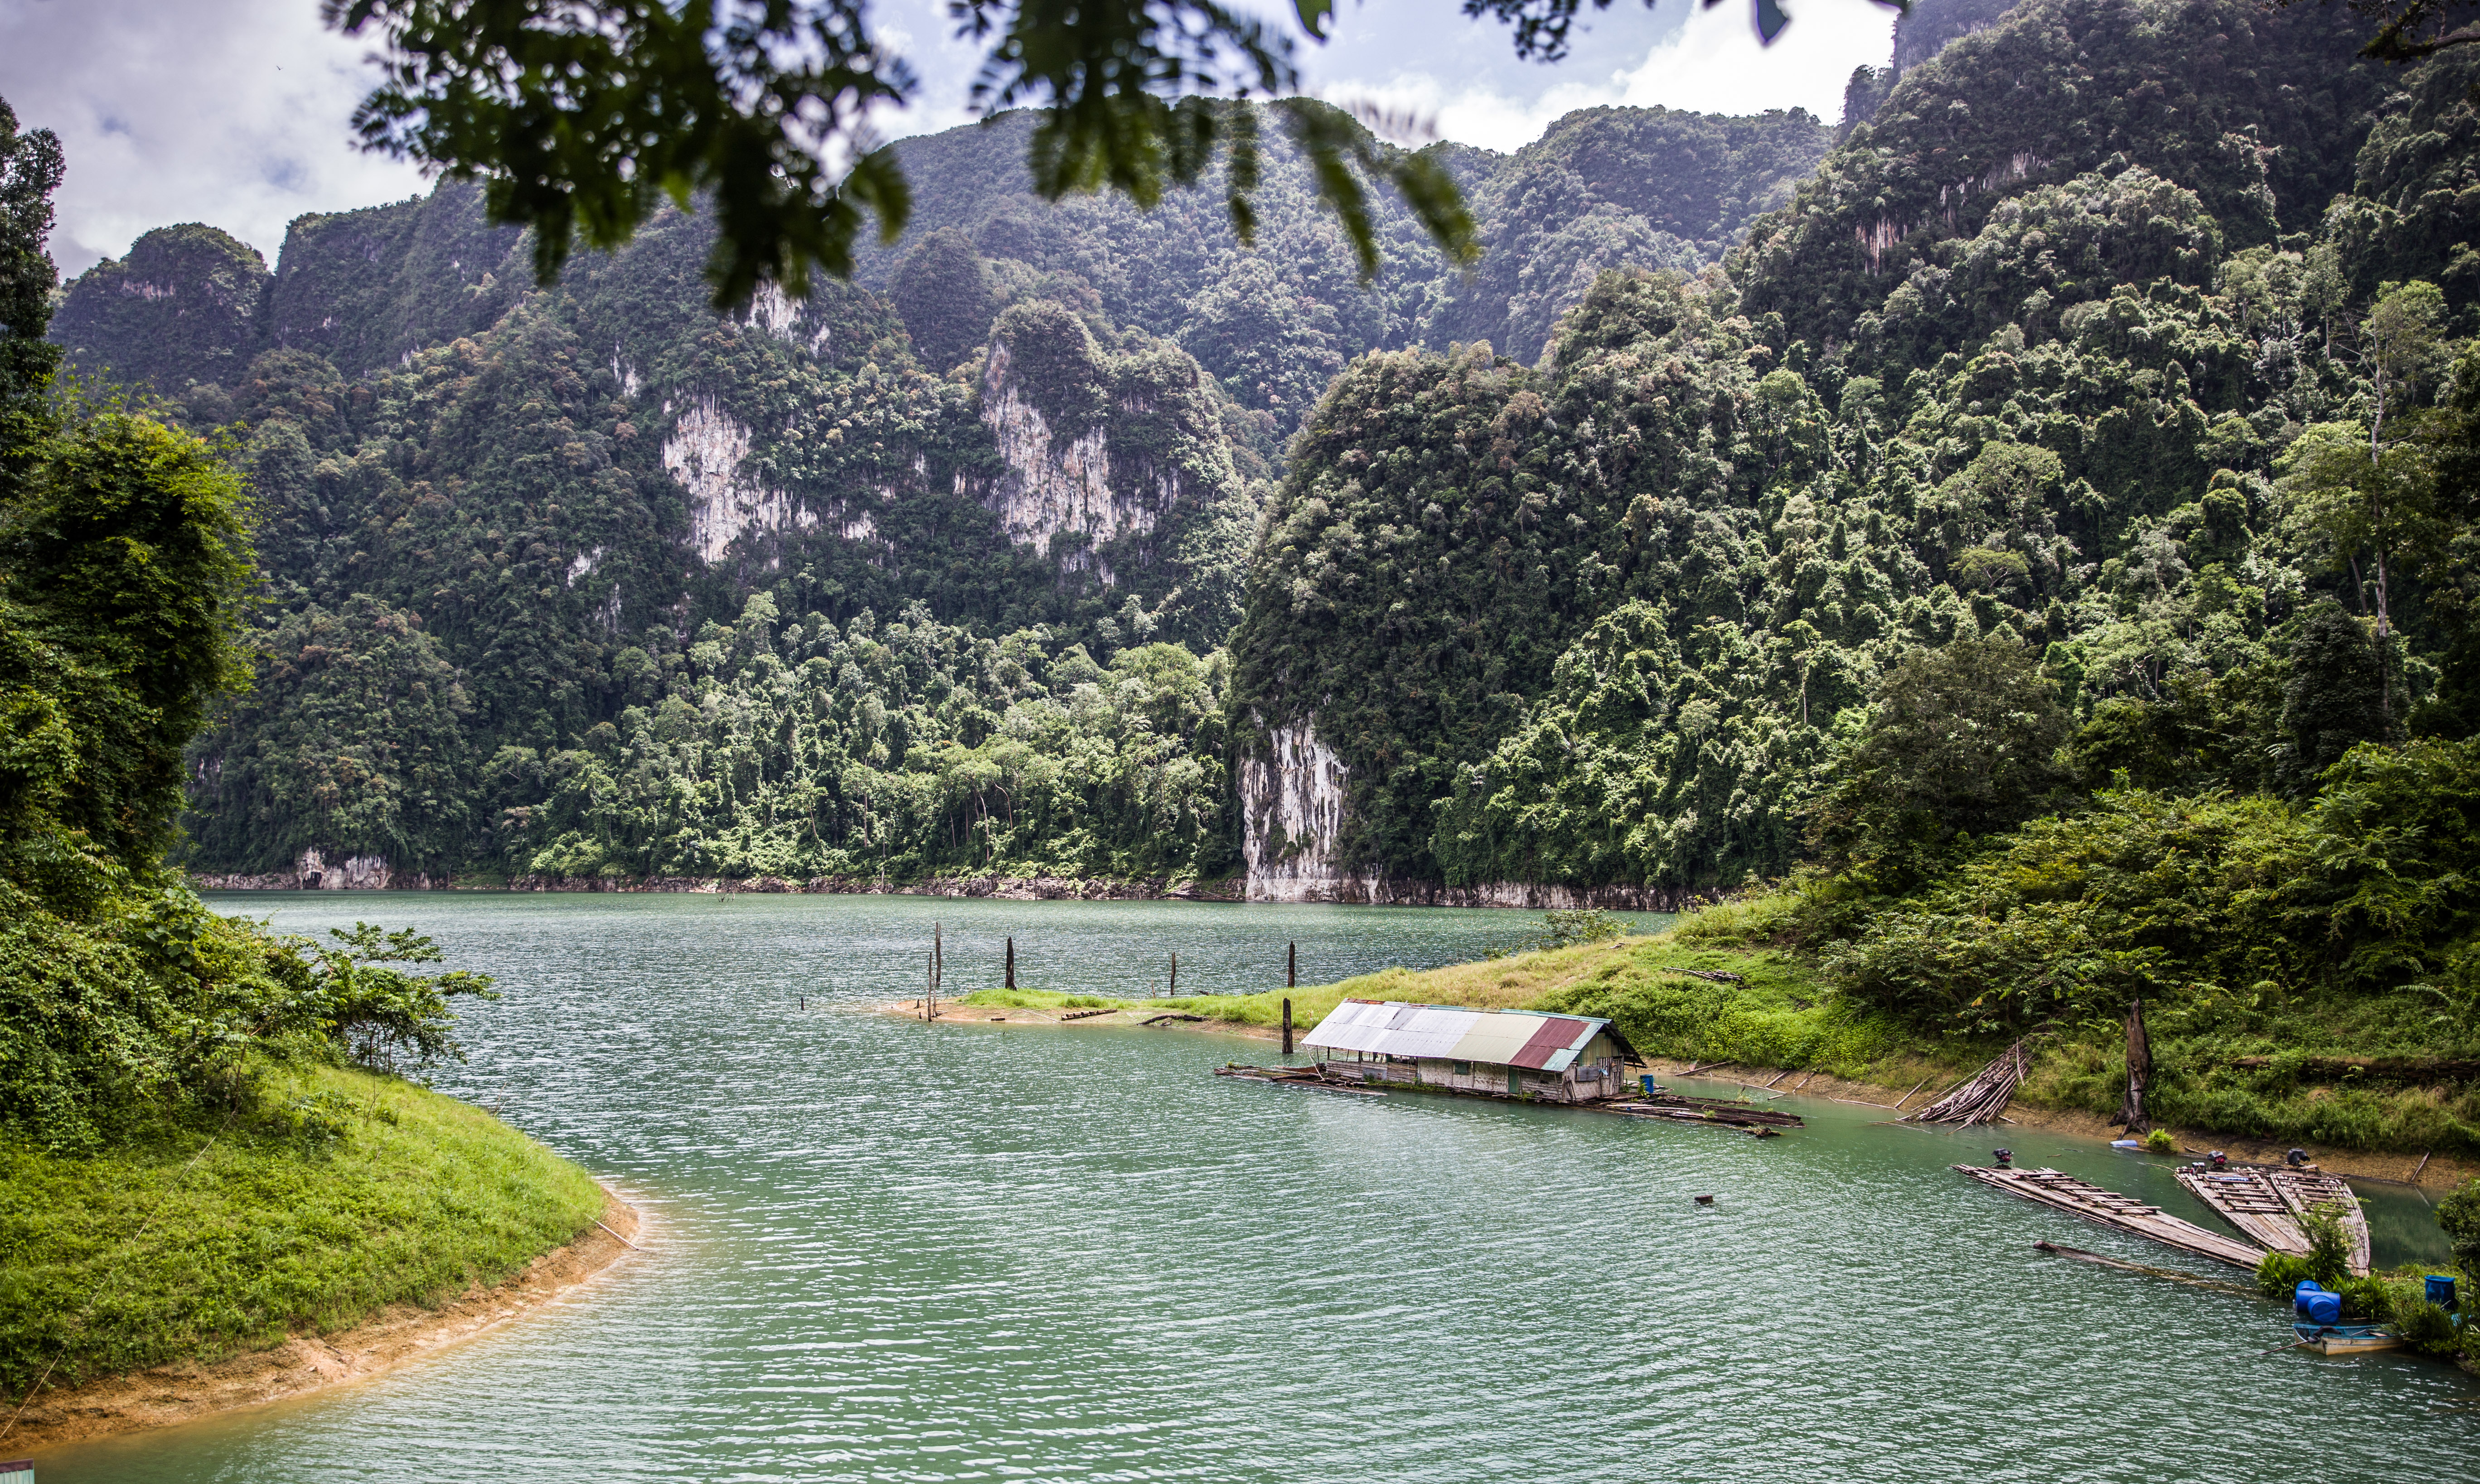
891 1251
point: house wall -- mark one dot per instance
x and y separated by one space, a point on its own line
1600 1071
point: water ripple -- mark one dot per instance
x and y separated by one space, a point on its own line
884 1251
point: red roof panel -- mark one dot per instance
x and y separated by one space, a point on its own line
1558 1032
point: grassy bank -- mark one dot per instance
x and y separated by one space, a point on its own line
359 1191
1783 1013
1778 1015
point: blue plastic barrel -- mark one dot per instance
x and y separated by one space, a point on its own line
2315 1305
2441 1290
1649 1089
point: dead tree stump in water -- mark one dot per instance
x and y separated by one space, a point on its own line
2139 1072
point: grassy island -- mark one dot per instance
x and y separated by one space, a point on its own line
347 1193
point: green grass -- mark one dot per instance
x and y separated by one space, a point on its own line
352 1193
1778 1016
1784 1014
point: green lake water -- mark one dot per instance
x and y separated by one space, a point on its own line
884 1250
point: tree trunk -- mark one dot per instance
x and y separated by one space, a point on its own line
2139 1072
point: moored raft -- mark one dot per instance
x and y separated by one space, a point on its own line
1666 1107
2304 1190
2246 1199
2119 1213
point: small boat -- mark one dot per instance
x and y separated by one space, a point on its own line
2344 1339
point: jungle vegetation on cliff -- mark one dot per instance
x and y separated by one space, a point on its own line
2046 498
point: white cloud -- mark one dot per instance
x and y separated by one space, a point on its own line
1711 61
234 112
1716 65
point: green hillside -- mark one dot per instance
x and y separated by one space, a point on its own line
206 1137
1077 541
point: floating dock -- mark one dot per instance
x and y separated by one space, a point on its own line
2266 1201
2246 1199
1666 1106
2303 1191
2119 1213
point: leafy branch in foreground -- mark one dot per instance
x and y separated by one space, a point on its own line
583 116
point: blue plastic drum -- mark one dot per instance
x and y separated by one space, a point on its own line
2315 1305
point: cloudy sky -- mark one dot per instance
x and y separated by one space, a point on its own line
235 112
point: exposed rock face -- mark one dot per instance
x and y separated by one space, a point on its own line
313 872
1291 810
1055 481
1291 805
1103 454
780 315
704 453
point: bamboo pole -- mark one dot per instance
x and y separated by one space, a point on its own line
1174 977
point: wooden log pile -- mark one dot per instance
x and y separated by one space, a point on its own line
1982 1099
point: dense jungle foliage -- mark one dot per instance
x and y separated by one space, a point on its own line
2050 535
2048 500
125 576
502 525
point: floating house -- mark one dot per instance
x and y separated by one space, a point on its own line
1506 1053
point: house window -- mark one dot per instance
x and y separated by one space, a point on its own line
1464 1069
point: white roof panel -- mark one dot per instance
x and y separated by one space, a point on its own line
1445 1032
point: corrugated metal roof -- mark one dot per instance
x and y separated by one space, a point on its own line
1506 1038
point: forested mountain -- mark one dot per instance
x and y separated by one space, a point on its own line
2027 352
510 532
1078 541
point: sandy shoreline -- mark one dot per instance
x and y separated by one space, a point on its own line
398 1335
2438 1174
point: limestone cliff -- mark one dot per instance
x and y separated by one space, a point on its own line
708 453
1107 454
1291 807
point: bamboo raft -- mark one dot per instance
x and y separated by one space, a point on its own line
1669 1107
2246 1199
2266 1202
2119 1213
2303 1191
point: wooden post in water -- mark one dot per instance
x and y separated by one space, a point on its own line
1288 1027
1011 963
1175 976
1292 966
